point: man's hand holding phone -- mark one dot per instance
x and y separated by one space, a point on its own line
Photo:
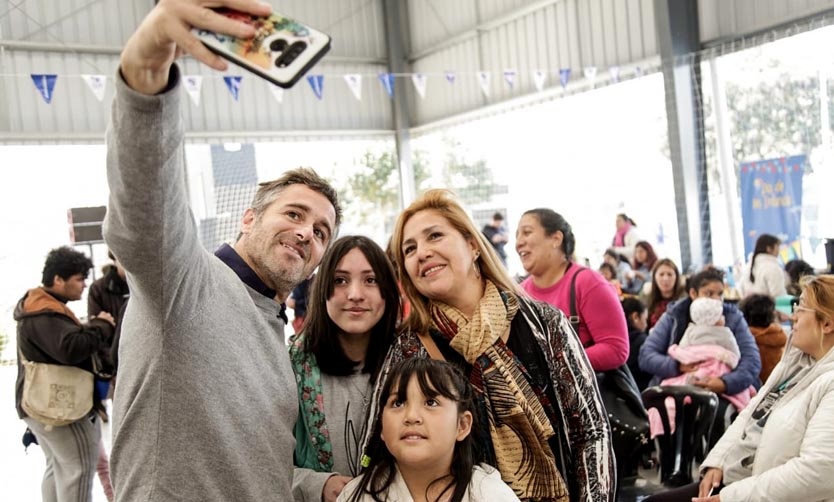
165 34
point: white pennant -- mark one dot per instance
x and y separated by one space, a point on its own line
97 84
615 73
193 84
539 76
590 72
483 79
419 81
354 82
277 93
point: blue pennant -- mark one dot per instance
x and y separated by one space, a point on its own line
45 85
317 83
387 80
233 83
564 76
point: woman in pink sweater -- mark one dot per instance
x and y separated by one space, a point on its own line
545 244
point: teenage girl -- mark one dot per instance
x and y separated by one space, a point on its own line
422 449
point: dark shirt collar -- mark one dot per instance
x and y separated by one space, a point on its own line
57 296
229 256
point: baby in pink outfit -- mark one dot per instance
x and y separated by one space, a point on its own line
712 347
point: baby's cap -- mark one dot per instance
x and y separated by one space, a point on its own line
706 311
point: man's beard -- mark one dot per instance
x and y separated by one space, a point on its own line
284 277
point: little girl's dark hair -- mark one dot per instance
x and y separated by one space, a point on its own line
632 305
435 378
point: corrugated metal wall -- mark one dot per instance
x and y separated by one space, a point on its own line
730 19
70 38
468 36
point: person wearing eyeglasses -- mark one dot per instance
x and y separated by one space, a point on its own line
781 447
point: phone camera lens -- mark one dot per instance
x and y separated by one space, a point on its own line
289 55
278 45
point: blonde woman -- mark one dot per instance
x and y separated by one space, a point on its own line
543 425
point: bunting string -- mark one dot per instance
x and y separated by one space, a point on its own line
510 78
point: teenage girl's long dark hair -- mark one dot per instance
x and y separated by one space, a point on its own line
435 378
322 334
764 242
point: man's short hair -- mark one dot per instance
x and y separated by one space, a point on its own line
64 262
268 191
498 216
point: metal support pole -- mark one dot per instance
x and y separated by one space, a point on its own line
395 33
676 22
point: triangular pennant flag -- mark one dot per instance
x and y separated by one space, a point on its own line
509 77
193 86
419 81
354 83
387 80
615 73
45 84
564 76
450 77
233 83
483 79
277 93
317 84
539 76
590 72
97 84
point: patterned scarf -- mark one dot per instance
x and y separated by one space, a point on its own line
518 425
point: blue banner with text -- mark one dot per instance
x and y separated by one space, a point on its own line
771 201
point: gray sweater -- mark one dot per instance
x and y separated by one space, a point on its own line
205 400
345 400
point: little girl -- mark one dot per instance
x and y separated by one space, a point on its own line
422 449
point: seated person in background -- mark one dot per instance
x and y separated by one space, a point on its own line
654 354
641 268
637 321
620 263
781 447
707 350
666 287
609 273
760 313
796 270
429 403
764 274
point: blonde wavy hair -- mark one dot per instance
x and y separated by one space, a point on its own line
445 203
819 296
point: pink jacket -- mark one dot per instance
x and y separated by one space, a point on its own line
602 329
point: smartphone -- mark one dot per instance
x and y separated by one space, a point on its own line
281 51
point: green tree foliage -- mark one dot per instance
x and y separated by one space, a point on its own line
774 118
472 181
374 190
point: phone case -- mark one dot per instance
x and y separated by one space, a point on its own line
282 50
